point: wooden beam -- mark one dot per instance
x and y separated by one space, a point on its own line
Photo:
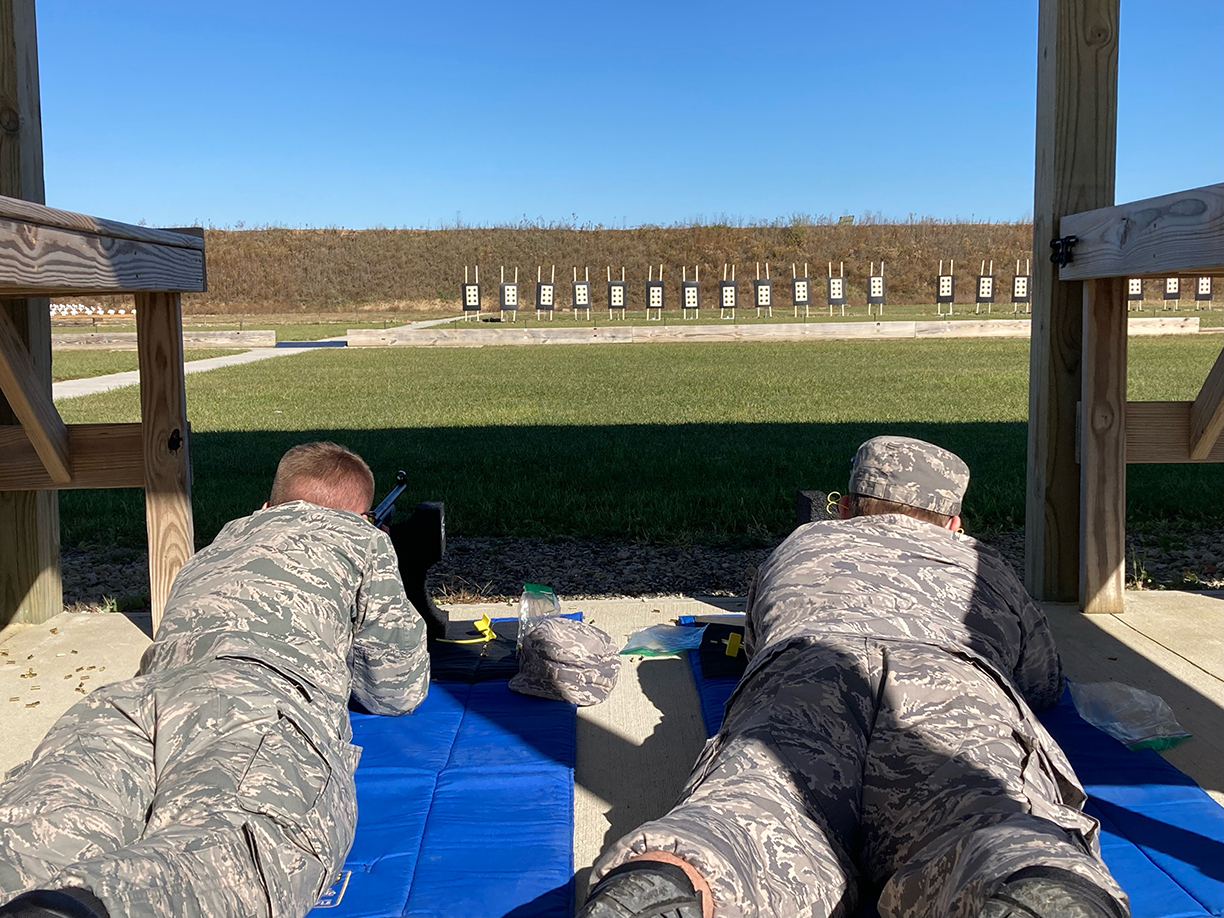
48 261
1207 413
103 456
30 402
1103 448
1077 78
19 211
167 442
1160 432
1174 234
30 587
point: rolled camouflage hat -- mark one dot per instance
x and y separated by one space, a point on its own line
911 472
567 661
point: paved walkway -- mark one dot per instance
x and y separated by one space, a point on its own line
71 388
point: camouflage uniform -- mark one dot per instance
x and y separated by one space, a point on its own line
566 660
882 738
219 781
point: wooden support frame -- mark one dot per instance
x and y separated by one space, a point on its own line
1077 88
30 585
1160 432
103 456
29 401
1179 233
166 440
56 251
1103 447
46 252
1207 413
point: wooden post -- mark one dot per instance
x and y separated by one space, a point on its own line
167 443
1077 89
30 586
1103 447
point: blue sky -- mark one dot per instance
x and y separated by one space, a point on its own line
360 114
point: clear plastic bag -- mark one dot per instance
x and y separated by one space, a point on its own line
663 640
538 602
1130 715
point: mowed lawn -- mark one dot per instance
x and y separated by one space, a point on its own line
72 364
666 443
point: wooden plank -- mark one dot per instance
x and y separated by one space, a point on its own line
167 442
1160 432
1179 233
1207 413
48 261
1103 448
1077 79
103 456
18 211
126 341
30 586
29 400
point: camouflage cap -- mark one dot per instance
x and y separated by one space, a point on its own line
911 472
567 661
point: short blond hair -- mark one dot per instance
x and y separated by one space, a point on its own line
326 474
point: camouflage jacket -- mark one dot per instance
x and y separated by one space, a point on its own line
896 578
310 592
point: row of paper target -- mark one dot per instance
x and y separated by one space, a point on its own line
801 286
80 309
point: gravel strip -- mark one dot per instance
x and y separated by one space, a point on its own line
495 569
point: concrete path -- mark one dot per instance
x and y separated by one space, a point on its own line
635 750
71 388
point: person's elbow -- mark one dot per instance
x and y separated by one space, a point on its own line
390 685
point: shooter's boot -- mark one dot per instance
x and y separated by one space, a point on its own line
643 889
55 903
1047 892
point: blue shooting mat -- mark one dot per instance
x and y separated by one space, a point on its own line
1162 836
465 808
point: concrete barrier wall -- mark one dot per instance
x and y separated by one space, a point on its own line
453 336
126 341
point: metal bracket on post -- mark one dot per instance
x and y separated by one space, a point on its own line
1060 250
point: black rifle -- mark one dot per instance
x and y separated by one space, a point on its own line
381 515
420 543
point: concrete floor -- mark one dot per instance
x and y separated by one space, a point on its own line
634 751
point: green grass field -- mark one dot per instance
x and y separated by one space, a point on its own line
667 443
82 364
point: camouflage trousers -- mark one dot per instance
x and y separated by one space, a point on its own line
851 767
207 791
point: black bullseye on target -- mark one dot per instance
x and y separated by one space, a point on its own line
801 291
1203 291
1022 288
580 292
875 288
508 295
471 294
690 291
762 292
985 288
616 294
1172 292
546 292
835 289
728 293
654 294
945 288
